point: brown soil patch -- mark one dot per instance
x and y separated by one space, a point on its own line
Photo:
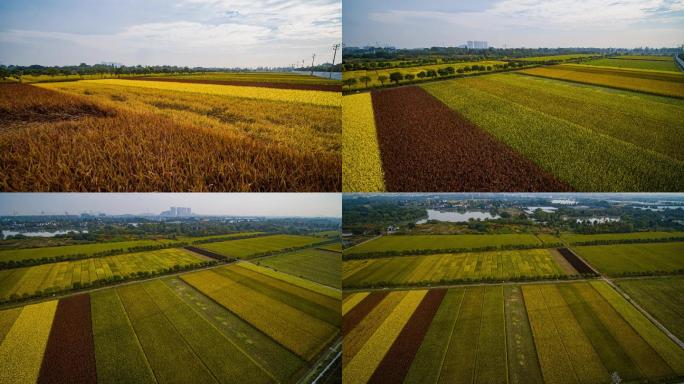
396 363
305 87
575 261
206 253
425 146
361 310
70 352
562 262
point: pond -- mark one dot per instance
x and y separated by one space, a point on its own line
531 210
39 233
456 217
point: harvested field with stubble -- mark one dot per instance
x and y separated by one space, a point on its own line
425 146
118 136
581 332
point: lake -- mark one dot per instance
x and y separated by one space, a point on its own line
456 217
335 75
39 233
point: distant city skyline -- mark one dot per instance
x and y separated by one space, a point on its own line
206 33
228 204
515 23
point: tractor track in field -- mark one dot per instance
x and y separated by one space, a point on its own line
425 146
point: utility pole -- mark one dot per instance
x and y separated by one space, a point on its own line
313 57
335 48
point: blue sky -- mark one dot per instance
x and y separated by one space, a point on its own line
238 204
222 33
515 23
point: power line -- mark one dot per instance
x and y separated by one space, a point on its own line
335 48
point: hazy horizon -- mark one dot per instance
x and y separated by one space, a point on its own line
194 33
228 204
515 23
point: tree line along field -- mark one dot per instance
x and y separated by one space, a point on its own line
261 246
374 76
409 243
88 250
63 276
582 332
460 267
319 265
561 127
123 135
170 330
635 259
558 58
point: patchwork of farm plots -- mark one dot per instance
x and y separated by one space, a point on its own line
374 74
410 243
126 334
321 266
551 134
562 333
117 134
72 250
655 63
258 246
661 297
449 268
55 277
634 259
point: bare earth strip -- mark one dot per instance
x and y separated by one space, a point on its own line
425 146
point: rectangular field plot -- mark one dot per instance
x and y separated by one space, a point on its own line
407 270
634 259
576 238
300 320
662 298
554 333
407 244
246 248
558 125
637 63
70 250
66 275
313 264
159 331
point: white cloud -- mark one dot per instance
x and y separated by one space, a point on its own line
548 14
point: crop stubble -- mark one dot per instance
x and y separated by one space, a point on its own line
425 146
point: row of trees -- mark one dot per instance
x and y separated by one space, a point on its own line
450 71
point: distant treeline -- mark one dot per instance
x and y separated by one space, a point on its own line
83 69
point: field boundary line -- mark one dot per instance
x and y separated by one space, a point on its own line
503 304
289 274
363 242
603 86
219 331
182 337
644 312
555 328
479 333
451 334
137 339
534 343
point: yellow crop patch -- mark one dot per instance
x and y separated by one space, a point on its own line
288 95
22 350
361 164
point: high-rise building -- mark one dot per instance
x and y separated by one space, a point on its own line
177 212
477 45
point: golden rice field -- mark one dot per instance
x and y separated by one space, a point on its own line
128 135
361 163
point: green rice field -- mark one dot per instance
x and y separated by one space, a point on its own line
433 269
246 248
84 249
316 265
661 297
539 333
400 243
638 259
592 138
55 277
575 238
637 63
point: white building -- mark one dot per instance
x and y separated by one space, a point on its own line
477 45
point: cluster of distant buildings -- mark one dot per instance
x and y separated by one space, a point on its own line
177 212
470 44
